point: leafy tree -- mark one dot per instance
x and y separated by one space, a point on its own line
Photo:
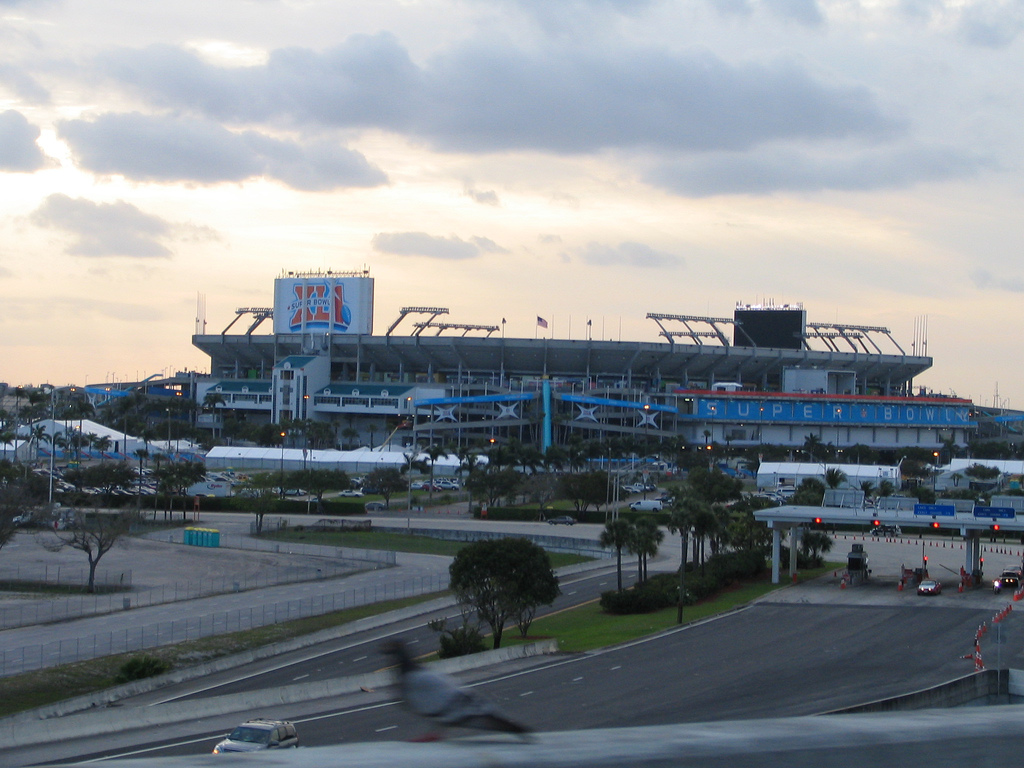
108 477
617 535
503 579
981 472
584 489
94 535
261 492
540 488
179 475
14 502
388 481
493 484
713 485
317 482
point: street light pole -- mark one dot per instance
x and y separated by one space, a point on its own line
282 465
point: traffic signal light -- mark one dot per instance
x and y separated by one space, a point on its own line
876 522
935 524
994 526
817 521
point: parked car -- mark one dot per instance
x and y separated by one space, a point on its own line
886 530
929 587
253 735
562 520
351 493
375 506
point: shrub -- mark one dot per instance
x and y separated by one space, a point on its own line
658 592
141 667
461 641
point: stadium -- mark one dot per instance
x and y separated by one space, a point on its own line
764 375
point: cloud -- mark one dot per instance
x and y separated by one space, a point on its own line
153 148
777 169
110 229
629 254
488 95
991 23
801 11
985 280
23 85
432 246
484 197
18 148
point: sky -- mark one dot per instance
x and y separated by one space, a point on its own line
511 159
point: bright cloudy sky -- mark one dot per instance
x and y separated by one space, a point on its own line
575 159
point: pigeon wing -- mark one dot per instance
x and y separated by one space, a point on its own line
431 695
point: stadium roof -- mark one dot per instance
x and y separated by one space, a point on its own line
232 354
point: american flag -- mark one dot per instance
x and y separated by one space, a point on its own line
542 322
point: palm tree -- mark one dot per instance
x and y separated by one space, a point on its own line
835 477
617 534
705 524
680 521
434 452
211 402
811 444
645 540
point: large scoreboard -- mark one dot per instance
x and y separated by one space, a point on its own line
772 327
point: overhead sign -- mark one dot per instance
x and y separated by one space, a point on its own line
935 510
996 513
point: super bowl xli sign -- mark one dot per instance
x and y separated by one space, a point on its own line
331 305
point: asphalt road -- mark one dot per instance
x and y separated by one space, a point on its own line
773 659
804 650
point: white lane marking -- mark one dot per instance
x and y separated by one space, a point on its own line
300 677
526 693
361 658
386 728
617 666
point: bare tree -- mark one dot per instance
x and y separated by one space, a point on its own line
94 535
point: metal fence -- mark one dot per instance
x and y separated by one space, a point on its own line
332 562
61 576
27 658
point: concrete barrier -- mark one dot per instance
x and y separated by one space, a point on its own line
989 736
973 688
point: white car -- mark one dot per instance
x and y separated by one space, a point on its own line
351 492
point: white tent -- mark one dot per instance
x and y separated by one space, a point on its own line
358 461
772 474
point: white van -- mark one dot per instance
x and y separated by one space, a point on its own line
647 505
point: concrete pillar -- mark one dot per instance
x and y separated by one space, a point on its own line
794 535
776 553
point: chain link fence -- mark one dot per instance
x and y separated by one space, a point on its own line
331 562
32 657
